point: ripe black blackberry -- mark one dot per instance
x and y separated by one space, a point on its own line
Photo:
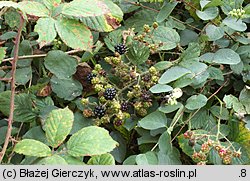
146 96
124 106
121 48
118 122
110 93
90 76
99 111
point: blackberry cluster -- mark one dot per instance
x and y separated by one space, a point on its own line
99 111
90 76
110 93
124 106
146 96
121 48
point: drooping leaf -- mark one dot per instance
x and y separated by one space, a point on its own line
91 140
74 34
58 125
45 27
60 64
153 121
32 148
104 159
196 102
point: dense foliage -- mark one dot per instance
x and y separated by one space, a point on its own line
125 82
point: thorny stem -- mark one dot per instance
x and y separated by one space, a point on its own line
38 56
13 88
187 121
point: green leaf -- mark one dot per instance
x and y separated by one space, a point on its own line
23 108
113 38
215 73
148 158
45 27
233 102
80 122
235 24
140 18
67 89
244 137
85 8
3 131
5 102
167 36
245 99
105 22
51 4
226 56
119 153
8 35
173 74
2 53
165 11
36 133
53 160
74 34
58 125
220 112
191 53
164 142
8 4
104 159
214 32
154 120
72 160
200 119
163 65
159 88
169 108
188 36
196 102
60 64
171 158
208 14
138 53
91 140
34 8
23 75
32 148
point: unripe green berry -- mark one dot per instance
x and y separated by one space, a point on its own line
98 67
137 87
142 112
155 79
152 70
102 99
84 101
130 94
155 25
99 88
95 80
